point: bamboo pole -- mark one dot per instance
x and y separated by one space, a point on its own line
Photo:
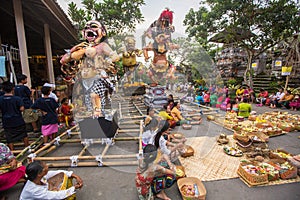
124 127
16 151
38 146
135 105
120 110
52 148
133 117
128 122
94 164
128 131
70 141
53 141
27 148
126 138
105 150
60 158
83 151
140 137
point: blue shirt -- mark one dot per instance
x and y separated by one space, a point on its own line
23 92
11 114
200 99
48 105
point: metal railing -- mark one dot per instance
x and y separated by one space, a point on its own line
14 52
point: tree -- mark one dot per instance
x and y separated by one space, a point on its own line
255 25
118 15
193 58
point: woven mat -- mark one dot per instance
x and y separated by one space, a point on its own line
209 162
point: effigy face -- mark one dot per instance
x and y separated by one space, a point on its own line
130 43
93 31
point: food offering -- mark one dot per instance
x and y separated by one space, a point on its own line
280 154
180 172
252 173
188 151
232 151
191 188
272 171
286 169
210 117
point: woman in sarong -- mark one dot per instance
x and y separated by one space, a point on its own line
10 172
151 178
44 184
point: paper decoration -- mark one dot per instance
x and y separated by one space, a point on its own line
286 71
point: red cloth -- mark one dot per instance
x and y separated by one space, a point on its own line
11 178
65 109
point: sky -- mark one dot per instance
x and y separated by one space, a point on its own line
152 9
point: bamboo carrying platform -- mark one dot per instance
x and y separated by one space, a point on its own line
129 130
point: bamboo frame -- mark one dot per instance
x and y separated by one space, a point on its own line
81 161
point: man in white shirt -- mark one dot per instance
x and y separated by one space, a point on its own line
52 94
278 96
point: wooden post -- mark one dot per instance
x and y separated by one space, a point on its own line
286 82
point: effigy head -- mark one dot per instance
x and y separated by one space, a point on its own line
94 31
130 43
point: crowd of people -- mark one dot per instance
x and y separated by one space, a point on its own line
230 99
18 109
156 170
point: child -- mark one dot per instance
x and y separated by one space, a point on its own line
207 98
52 94
295 103
13 122
48 106
25 93
66 111
220 100
225 106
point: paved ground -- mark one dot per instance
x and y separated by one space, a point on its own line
112 183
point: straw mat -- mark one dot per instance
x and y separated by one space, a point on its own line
209 162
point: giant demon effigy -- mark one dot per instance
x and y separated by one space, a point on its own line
160 31
160 70
90 63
